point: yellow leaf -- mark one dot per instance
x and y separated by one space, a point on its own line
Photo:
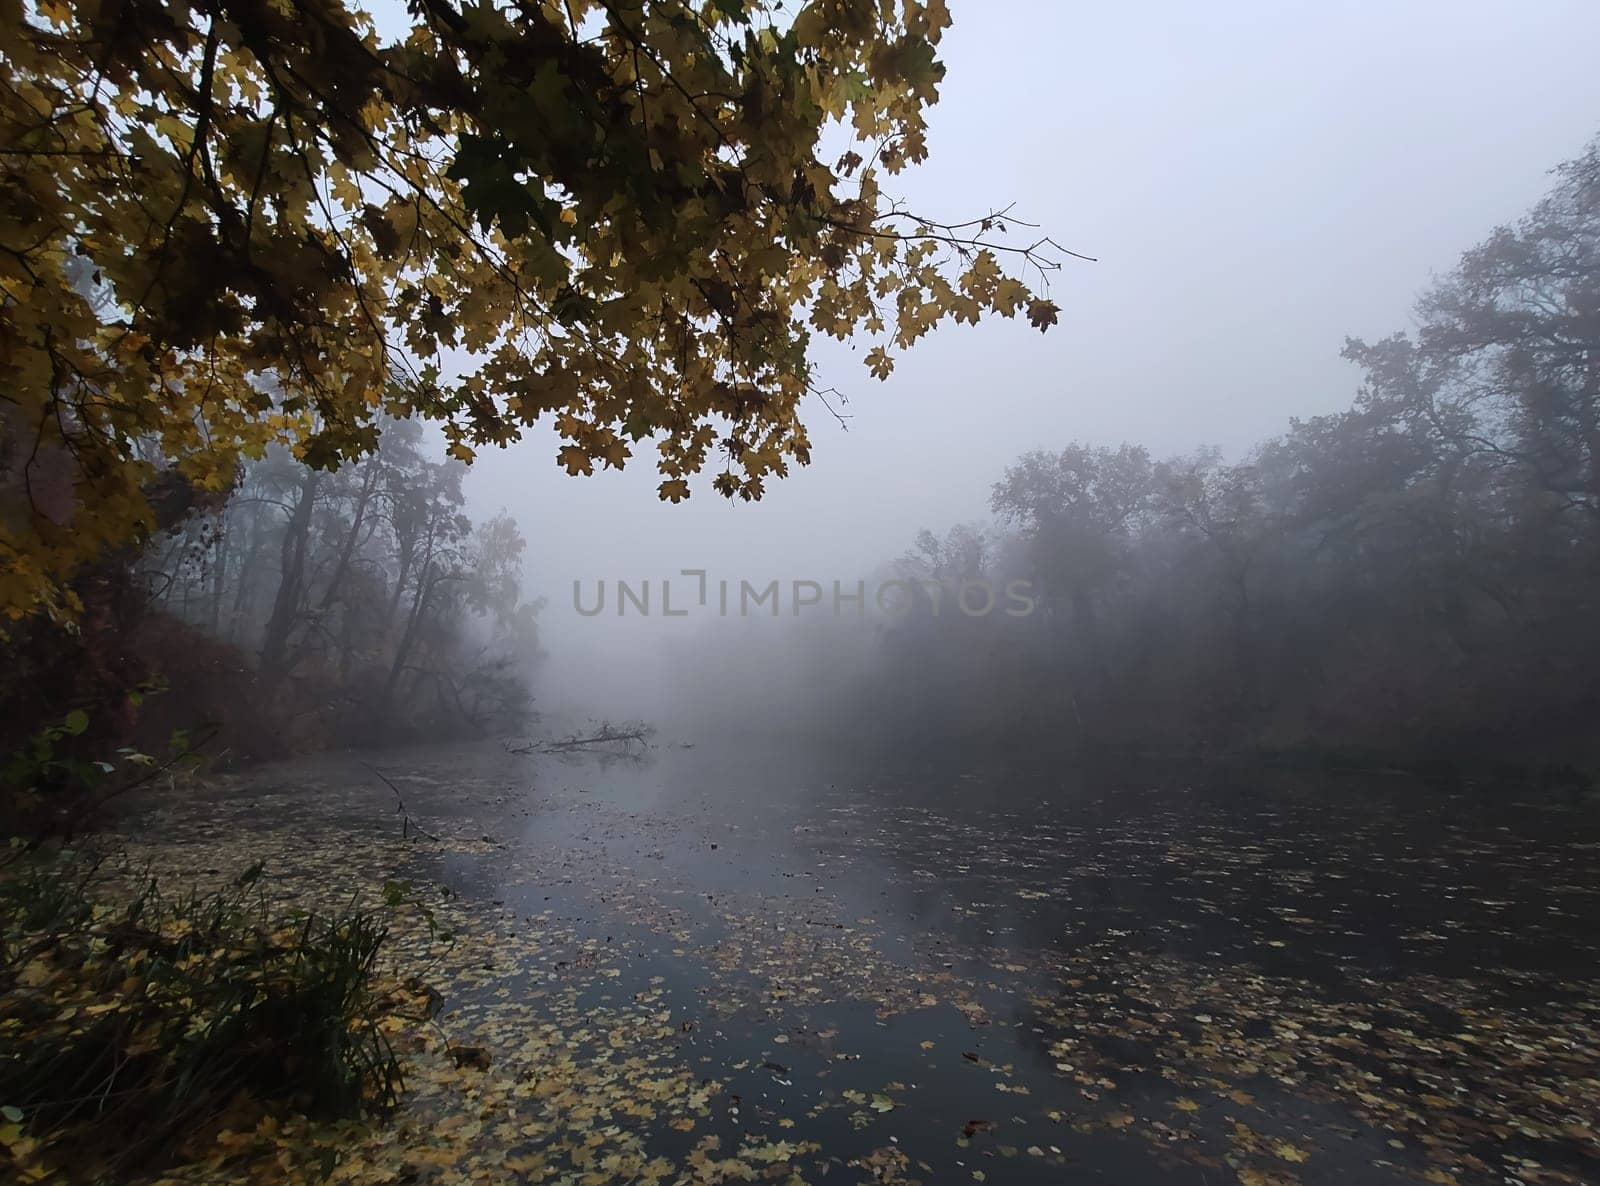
576 460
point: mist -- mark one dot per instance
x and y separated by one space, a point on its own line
1255 187
675 592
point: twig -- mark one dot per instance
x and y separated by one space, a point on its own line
406 824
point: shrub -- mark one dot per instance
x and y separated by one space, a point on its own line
61 776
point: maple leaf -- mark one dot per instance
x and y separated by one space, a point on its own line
1009 295
295 306
1042 314
576 460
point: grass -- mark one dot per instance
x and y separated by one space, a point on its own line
134 1021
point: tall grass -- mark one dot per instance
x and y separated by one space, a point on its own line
126 1028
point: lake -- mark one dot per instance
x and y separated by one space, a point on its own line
741 962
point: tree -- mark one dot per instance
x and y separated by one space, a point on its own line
238 223
1077 509
1517 330
365 596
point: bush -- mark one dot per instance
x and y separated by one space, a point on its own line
127 1029
60 777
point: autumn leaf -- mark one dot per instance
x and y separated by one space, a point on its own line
576 460
1042 314
531 223
1009 295
1288 1152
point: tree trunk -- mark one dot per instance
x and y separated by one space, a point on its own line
351 539
275 642
219 577
402 652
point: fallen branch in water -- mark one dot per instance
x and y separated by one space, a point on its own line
607 735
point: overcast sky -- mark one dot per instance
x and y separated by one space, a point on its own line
1258 180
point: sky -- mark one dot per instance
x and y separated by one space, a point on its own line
1256 180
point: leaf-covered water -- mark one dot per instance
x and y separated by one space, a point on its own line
730 966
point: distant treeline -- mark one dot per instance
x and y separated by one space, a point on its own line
301 609
1417 576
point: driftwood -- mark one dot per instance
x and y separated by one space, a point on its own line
607 738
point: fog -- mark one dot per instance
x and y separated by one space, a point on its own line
1256 184
1161 750
1311 459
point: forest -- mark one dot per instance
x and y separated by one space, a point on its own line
1410 580
308 609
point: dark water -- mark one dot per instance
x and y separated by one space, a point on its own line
1010 972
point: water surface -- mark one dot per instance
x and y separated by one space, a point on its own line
743 963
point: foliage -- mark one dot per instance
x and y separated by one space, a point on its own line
131 1028
39 764
65 770
262 222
